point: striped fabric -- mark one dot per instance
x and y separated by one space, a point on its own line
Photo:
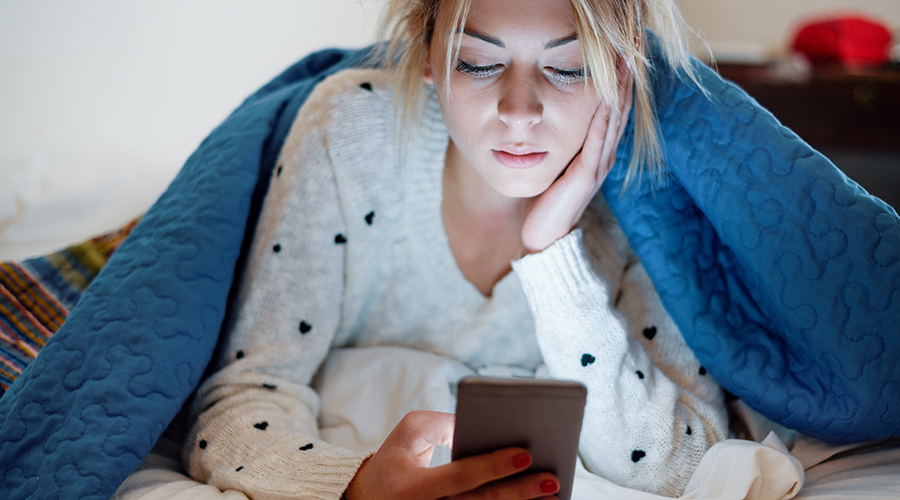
37 294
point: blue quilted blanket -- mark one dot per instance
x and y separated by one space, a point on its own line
783 274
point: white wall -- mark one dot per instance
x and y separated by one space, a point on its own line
150 76
760 28
102 101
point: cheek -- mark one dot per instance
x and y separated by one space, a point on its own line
466 112
573 118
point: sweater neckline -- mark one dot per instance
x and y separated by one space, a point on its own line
425 169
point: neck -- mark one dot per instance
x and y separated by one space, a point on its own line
484 227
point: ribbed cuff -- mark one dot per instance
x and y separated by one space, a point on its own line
560 274
332 478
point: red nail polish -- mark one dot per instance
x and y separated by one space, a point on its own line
549 486
521 460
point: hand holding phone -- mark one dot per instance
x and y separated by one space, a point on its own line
400 470
542 416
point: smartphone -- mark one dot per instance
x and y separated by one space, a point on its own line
542 416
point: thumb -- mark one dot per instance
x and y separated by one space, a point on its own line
419 431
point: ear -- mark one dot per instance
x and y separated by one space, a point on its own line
427 69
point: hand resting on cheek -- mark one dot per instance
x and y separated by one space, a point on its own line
557 210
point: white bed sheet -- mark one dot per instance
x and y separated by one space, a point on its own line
366 391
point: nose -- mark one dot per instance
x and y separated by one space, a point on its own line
519 105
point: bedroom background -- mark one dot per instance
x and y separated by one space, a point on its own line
102 101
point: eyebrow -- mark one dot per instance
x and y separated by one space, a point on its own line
499 43
483 37
561 41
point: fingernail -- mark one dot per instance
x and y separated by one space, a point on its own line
521 460
549 486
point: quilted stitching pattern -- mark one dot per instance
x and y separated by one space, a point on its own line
87 411
783 273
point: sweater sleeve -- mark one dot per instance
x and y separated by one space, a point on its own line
254 422
651 411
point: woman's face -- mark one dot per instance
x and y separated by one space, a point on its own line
518 108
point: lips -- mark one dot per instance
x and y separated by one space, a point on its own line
519 159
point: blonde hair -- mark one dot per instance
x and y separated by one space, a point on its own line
606 30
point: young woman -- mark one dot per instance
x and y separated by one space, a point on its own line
448 204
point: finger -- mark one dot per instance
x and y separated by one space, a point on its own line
419 431
531 486
593 142
618 119
608 152
627 102
467 474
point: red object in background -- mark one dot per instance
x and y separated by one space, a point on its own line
850 40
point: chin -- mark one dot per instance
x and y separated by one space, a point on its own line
520 190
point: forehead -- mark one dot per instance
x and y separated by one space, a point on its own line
533 19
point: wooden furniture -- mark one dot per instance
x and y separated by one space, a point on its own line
833 107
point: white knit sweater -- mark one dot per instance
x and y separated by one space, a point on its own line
351 250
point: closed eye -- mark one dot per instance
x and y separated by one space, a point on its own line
566 76
481 71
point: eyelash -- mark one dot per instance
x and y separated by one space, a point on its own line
561 76
482 71
567 76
